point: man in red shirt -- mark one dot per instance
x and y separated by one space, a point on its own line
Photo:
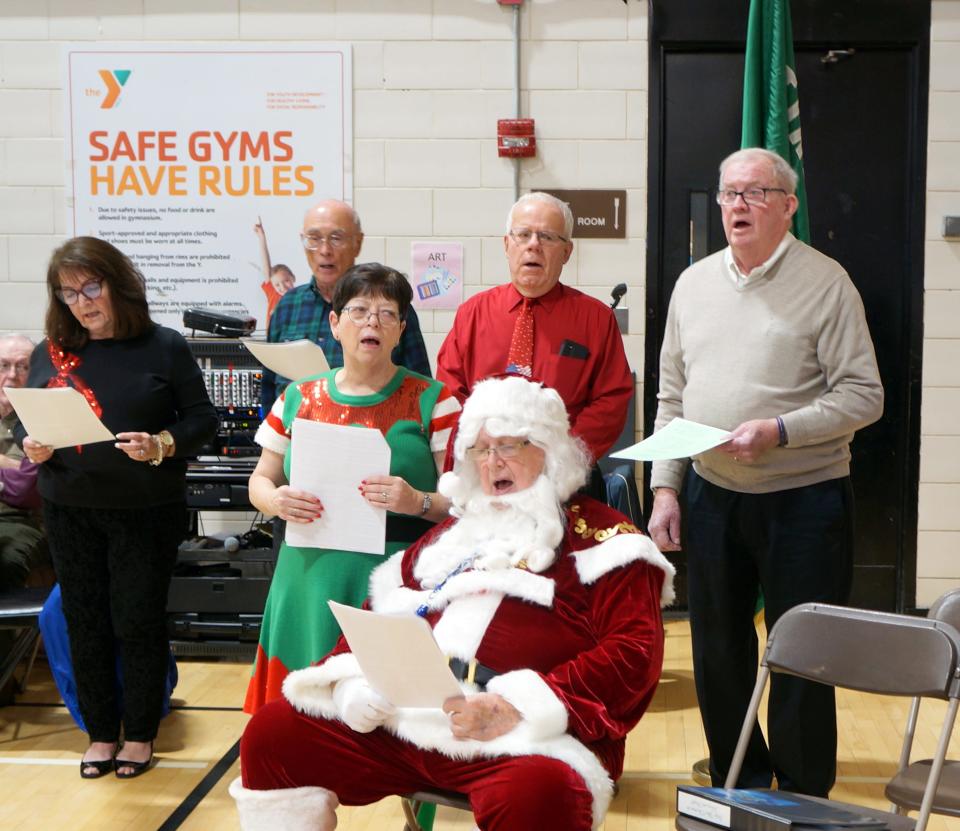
577 346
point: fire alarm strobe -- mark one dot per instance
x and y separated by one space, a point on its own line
515 138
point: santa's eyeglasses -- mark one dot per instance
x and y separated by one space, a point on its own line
504 451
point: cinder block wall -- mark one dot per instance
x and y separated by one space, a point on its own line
430 79
938 539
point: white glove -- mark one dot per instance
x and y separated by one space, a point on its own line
361 707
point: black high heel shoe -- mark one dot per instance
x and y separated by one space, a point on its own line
100 768
136 768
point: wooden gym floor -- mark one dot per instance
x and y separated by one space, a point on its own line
40 748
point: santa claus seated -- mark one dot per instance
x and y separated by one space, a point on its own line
546 600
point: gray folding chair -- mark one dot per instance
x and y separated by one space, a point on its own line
873 652
412 802
905 790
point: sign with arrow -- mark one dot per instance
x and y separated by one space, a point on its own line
596 213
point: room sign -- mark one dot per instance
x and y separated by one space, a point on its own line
596 213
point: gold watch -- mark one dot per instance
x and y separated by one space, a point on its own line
164 441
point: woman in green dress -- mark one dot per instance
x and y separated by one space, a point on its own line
416 416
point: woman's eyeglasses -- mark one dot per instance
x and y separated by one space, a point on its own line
359 315
92 289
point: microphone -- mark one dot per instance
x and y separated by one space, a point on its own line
231 545
619 290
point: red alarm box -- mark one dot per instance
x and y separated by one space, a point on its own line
515 138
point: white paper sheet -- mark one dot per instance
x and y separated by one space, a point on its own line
330 461
59 417
680 439
292 359
398 656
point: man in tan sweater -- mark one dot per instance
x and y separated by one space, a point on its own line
768 339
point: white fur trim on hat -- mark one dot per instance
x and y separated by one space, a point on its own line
593 563
511 406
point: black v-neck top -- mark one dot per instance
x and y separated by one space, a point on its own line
148 383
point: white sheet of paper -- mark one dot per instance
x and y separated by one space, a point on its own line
292 359
398 656
59 417
330 461
680 439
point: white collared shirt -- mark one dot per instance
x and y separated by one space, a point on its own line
739 278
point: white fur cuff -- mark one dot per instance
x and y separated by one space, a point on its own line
292 809
310 690
542 711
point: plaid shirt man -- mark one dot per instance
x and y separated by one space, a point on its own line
303 313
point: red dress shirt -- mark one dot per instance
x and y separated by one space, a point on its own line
592 376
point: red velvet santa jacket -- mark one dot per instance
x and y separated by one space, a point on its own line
579 647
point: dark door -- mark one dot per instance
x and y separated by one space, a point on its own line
863 117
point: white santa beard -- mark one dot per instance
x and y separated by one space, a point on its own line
498 532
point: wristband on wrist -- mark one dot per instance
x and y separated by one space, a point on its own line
783 432
427 502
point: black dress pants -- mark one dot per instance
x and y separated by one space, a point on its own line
114 567
795 546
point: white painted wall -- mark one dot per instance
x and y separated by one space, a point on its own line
938 538
431 77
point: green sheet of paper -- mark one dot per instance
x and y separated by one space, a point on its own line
680 439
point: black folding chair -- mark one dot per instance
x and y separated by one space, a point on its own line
874 652
20 610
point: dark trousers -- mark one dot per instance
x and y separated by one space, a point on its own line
795 546
114 568
22 548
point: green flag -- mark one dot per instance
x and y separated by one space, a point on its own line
771 103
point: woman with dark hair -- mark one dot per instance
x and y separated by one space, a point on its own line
115 514
416 416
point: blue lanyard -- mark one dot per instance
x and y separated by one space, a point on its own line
464 564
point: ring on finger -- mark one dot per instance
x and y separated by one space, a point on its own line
383 494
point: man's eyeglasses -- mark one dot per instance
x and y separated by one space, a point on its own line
336 239
752 196
359 315
92 289
18 368
504 451
522 236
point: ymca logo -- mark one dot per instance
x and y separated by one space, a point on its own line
113 79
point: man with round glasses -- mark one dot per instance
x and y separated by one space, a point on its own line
332 238
767 339
537 327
